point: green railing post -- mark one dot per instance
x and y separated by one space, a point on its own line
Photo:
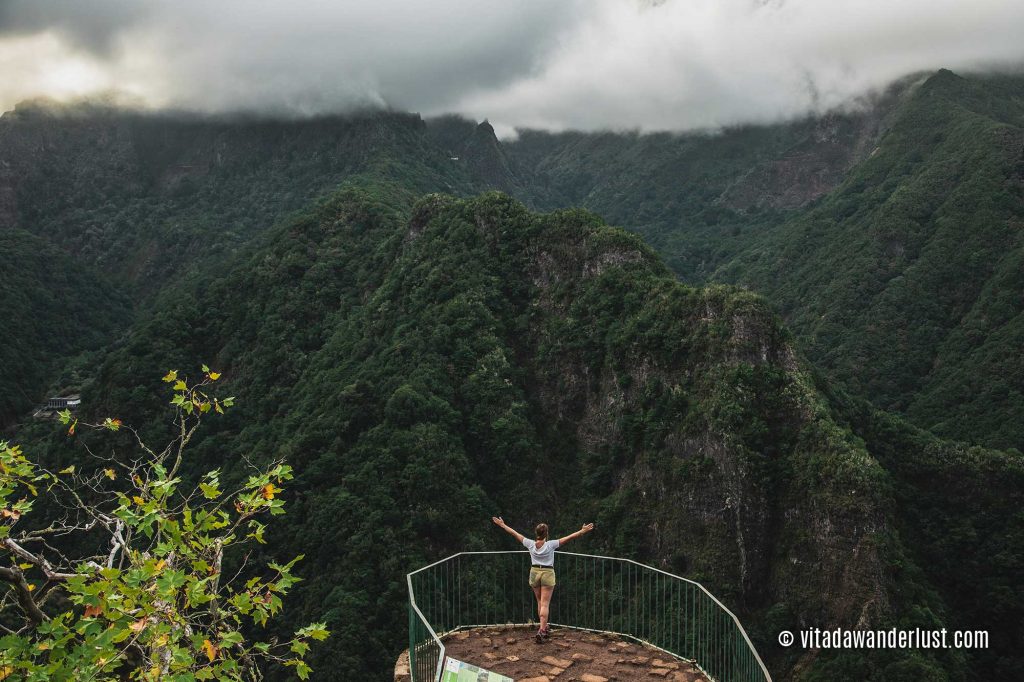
412 639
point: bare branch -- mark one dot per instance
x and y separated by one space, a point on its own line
23 591
36 559
117 542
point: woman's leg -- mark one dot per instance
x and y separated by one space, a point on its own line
536 594
544 603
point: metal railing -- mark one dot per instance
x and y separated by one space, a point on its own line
594 593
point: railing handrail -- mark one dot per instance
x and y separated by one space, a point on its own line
703 589
739 626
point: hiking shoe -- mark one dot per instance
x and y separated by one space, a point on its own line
541 636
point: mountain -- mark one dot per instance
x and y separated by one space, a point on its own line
886 232
427 361
477 148
697 197
146 196
905 282
102 208
52 308
426 365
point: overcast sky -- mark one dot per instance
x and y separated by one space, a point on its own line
648 64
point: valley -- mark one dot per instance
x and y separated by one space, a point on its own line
791 370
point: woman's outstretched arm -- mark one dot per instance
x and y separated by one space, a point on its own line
500 523
587 527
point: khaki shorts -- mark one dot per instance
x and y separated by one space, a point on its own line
542 577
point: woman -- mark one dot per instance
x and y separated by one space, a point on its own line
542 571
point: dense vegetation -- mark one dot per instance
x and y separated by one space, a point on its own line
425 363
696 197
962 510
906 281
152 592
423 367
146 195
52 307
887 233
96 202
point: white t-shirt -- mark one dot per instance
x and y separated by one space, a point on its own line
545 556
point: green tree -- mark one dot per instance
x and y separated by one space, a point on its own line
149 600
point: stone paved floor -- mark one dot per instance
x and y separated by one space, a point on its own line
568 656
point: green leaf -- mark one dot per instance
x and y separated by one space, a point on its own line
211 492
196 594
317 631
231 638
257 532
169 581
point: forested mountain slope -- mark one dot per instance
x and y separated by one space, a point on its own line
697 196
961 509
906 282
144 195
424 368
887 233
145 199
51 308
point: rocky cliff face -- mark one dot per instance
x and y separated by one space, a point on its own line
820 159
811 168
709 485
489 162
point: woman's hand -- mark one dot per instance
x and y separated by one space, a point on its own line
500 523
584 529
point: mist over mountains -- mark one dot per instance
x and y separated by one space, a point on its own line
794 373
605 64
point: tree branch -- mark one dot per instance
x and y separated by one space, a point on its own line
44 565
23 591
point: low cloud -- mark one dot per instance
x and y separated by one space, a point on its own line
708 63
590 64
